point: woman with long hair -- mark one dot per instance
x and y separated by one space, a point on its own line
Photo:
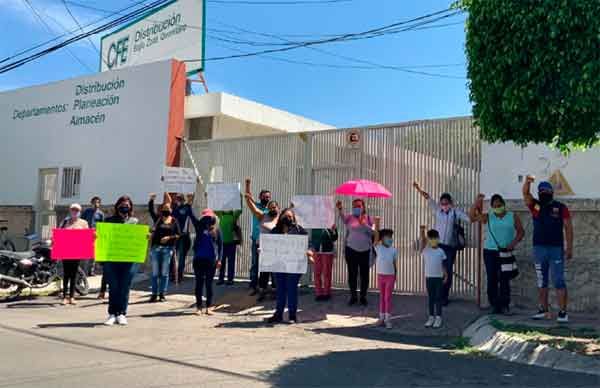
164 237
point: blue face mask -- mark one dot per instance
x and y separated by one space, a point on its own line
356 212
388 241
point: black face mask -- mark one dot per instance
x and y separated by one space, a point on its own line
124 210
273 213
264 202
546 198
165 213
286 221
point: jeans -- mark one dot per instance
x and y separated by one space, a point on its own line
287 292
161 257
323 267
119 276
204 270
386 287
254 265
498 283
183 247
450 259
435 291
229 251
549 259
358 262
70 268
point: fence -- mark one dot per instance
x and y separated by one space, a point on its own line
443 155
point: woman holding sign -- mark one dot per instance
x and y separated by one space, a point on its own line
120 274
287 283
71 267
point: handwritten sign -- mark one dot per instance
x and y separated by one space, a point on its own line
224 196
72 244
121 242
314 211
179 180
283 253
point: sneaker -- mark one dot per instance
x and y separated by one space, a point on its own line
274 319
122 320
437 323
161 298
430 321
111 320
562 317
541 314
153 298
293 321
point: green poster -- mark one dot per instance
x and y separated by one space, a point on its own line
121 242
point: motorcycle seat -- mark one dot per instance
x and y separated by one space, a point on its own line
18 255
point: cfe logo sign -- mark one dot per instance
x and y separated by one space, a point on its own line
117 53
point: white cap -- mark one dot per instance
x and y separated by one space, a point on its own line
75 206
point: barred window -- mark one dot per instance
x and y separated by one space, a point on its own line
71 181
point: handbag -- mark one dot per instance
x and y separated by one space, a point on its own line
508 262
459 234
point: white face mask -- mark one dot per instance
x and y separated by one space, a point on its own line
75 215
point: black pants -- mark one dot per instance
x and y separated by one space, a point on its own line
204 271
263 280
498 284
449 264
435 290
70 268
358 262
119 277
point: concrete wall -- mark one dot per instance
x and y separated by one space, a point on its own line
20 219
582 273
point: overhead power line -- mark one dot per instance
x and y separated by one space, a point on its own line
275 2
92 44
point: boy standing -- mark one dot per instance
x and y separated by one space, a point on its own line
435 274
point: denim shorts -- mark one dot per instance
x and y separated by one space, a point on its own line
549 259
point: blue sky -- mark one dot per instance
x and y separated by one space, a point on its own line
341 97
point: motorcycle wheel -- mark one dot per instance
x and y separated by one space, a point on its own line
81 283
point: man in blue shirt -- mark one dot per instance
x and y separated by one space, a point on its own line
92 215
264 199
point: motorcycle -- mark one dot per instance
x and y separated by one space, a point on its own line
35 269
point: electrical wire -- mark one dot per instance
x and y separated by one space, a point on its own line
293 2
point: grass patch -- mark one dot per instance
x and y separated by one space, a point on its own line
461 347
581 340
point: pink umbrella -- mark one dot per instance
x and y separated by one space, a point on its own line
363 188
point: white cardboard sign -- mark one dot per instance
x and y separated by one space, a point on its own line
179 180
224 196
283 253
314 211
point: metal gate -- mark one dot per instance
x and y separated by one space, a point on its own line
443 155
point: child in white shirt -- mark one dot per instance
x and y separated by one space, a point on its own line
386 272
435 274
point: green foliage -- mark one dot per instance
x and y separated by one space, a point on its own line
534 70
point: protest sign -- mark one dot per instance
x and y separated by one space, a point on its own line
72 244
121 242
283 253
179 180
314 211
224 196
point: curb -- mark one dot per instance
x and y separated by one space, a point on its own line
483 336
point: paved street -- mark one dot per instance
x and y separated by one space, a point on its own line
44 344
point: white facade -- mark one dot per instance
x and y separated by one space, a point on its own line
505 165
121 150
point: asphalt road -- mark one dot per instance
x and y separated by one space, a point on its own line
43 344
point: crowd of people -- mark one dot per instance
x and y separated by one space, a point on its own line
365 243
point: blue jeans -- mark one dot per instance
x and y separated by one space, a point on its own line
254 265
161 257
183 247
229 251
549 259
450 258
119 279
287 291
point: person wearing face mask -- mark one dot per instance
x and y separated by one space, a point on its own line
208 252
120 274
359 244
435 274
92 215
552 225
264 199
446 218
164 237
387 255
287 283
71 267
503 232
267 222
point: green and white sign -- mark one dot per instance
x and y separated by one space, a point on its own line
175 30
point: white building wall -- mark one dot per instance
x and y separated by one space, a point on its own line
124 154
502 164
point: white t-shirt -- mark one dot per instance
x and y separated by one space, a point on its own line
434 262
386 257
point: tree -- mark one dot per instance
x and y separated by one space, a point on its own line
534 70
